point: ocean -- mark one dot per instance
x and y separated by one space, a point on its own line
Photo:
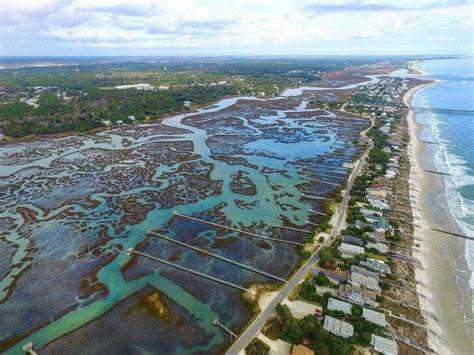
449 122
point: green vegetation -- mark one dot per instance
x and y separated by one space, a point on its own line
257 347
81 94
310 329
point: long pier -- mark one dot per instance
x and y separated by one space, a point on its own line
131 251
442 110
236 230
317 212
452 233
331 167
230 261
324 182
219 324
314 197
436 172
293 229
330 176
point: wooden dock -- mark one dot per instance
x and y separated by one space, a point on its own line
131 251
230 261
222 326
236 230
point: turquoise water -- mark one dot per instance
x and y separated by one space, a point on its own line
71 208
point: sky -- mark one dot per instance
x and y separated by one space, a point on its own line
235 27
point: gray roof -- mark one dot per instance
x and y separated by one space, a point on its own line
351 248
377 265
374 317
338 327
384 345
365 281
336 305
364 271
353 240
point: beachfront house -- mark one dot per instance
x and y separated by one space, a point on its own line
378 203
374 317
381 248
377 235
377 265
187 104
364 281
349 239
357 295
349 250
120 123
364 271
106 122
384 345
336 305
338 327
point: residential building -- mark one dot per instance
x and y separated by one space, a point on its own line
336 305
364 271
374 317
350 250
353 240
357 295
378 203
384 345
376 265
338 327
381 248
364 281
187 104
120 122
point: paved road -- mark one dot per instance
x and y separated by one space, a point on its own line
261 319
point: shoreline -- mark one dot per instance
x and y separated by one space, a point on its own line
438 253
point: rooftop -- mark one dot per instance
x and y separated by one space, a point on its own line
384 345
336 305
374 317
338 327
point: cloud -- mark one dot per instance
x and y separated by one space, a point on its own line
244 26
381 6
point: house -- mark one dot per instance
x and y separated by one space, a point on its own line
2 136
376 265
353 240
357 295
378 234
336 305
338 327
132 118
378 222
120 122
359 224
374 317
106 122
381 248
370 213
301 350
187 104
364 271
350 250
364 281
384 345
378 203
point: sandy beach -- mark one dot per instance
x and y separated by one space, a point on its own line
438 253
